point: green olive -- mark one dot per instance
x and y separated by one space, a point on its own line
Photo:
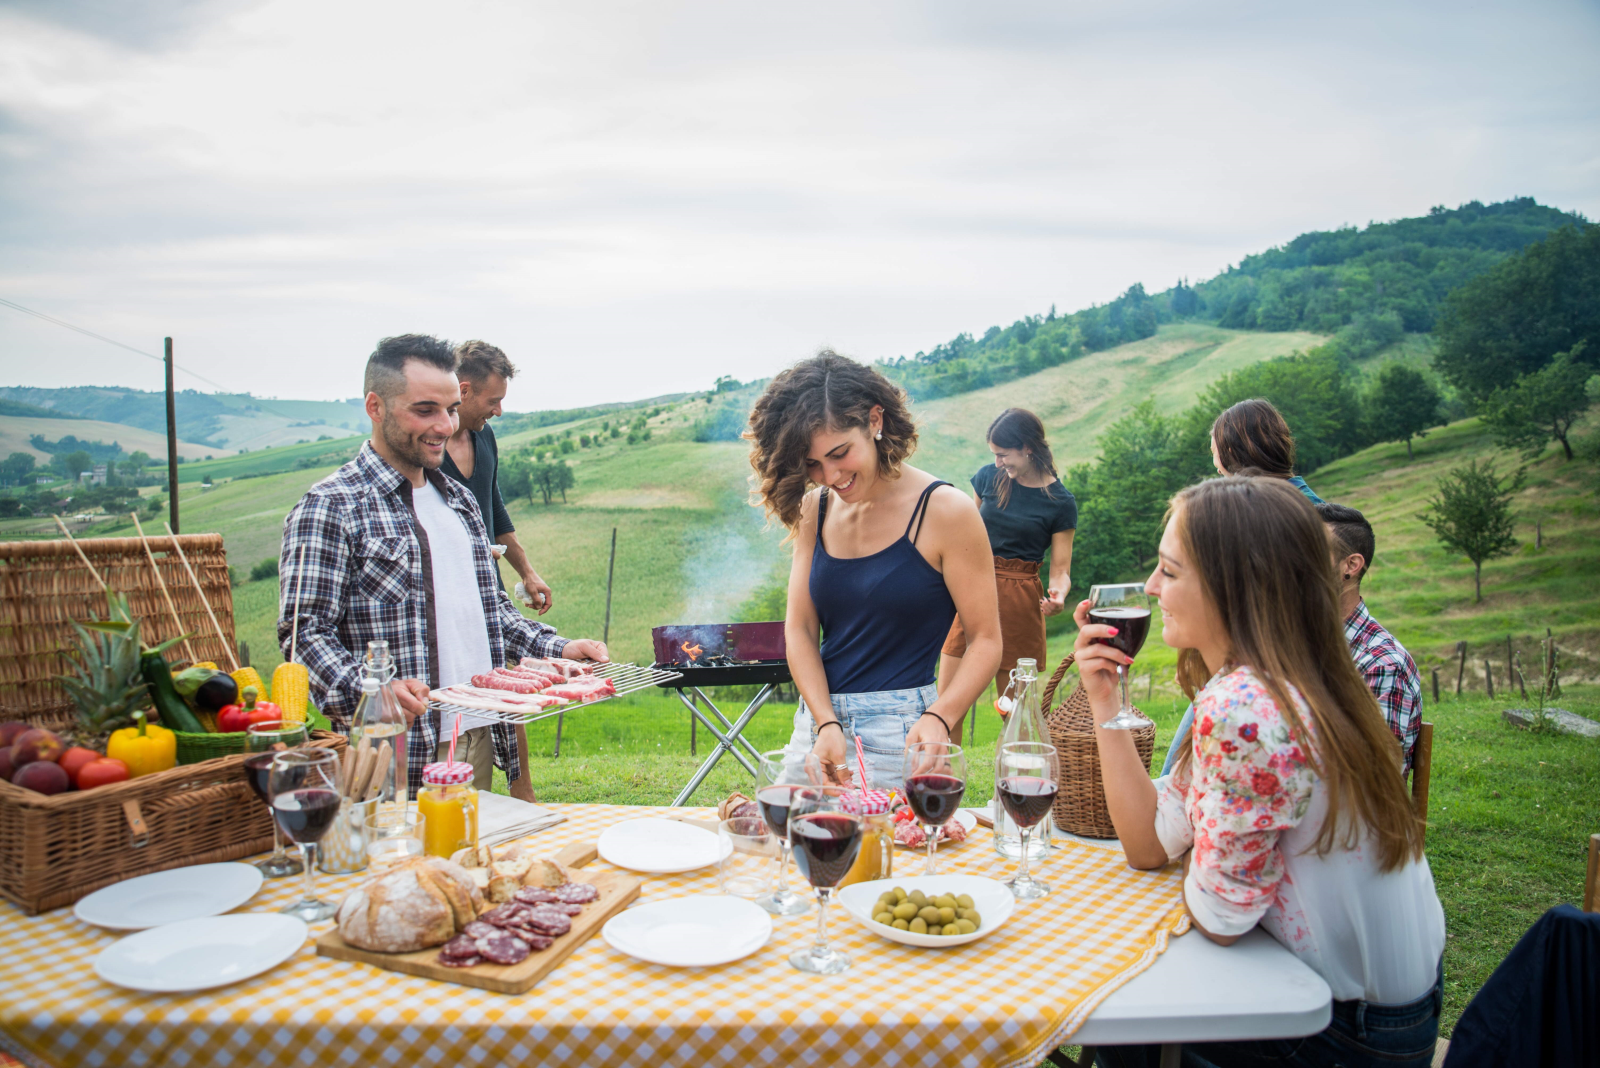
965 901
899 894
945 901
919 897
902 925
885 918
947 915
918 926
973 918
905 910
966 927
966 913
929 914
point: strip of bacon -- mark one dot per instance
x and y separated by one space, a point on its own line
499 700
567 669
584 691
504 682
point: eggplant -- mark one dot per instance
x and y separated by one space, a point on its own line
217 693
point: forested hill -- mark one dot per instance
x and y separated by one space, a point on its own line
1366 286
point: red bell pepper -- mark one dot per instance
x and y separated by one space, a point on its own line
239 717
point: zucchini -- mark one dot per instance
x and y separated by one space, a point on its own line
175 715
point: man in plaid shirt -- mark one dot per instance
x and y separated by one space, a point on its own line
396 551
1391 674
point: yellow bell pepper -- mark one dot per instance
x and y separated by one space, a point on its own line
145 748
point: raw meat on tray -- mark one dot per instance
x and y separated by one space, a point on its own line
482 697
588 688
567 669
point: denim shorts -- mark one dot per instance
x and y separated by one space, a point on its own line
881 720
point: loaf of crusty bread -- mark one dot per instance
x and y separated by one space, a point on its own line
411 905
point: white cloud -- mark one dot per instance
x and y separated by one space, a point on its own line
634 198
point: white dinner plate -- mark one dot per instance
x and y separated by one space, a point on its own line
690 932
659 847
964 817
203 953
169 896
993 901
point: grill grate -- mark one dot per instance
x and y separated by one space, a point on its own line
627 678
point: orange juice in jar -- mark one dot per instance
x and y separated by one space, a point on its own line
448 805
876 859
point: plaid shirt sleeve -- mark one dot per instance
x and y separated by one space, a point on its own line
1391 675
335 671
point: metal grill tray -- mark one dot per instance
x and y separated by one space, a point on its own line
759 673
627 678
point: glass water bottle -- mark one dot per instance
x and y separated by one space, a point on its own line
1025 723
377 720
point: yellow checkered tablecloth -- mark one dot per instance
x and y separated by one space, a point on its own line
1007 999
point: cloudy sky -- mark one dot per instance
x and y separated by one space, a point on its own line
633 198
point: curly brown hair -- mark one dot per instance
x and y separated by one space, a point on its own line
828 391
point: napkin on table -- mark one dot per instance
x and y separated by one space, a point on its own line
501 818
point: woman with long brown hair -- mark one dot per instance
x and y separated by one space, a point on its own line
885 556
1287 807
1253 436
1027 513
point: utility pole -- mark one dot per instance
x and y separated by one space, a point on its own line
611 573
172 443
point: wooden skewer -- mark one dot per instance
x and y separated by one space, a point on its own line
232 656
299 580
82 556
176 620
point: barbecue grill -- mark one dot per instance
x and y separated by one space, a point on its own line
721 654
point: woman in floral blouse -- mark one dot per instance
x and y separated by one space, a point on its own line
1287 808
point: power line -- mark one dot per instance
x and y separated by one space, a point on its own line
148 355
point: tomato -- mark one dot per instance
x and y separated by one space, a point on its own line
74 759
102 772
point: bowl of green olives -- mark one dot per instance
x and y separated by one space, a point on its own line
933 911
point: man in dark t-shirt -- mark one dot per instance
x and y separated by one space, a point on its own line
472 457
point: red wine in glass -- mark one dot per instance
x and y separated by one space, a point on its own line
305 815
825 846
258 770
1026 798
1133 627
935 798
774 802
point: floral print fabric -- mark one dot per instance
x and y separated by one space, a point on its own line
1247 783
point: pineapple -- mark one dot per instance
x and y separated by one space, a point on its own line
108 685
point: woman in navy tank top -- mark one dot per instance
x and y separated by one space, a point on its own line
885 557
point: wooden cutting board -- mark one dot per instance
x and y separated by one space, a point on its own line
617 890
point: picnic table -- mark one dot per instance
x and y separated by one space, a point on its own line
1094 962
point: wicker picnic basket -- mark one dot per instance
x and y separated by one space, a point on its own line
55 849
44 587
1080 806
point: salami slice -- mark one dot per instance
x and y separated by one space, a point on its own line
537 942
534 895
459 962
577 893
547 921
502 947
477 929
504 915
571 910
462 945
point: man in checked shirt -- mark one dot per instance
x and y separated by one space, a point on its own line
395 550
1390 672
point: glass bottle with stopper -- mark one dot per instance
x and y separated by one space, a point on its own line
1024 723
379 724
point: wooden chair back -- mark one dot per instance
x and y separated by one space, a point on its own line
1591 883
1422 769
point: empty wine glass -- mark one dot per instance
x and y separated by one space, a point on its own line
265 740
935 774
1025 778
825 834
305 800
781 773
1126 607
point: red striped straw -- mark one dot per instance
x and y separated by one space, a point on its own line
454 730
861 762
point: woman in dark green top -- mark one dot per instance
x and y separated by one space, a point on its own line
1028 513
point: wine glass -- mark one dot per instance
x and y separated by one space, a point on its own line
1025 777
266 740
1127 608
781 773
305 801
825 834
935 775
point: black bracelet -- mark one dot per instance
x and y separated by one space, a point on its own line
830 723
940 718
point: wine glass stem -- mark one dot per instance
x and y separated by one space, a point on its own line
822 919
1023 832
784 889
933 841
308 857
1122 677
278 853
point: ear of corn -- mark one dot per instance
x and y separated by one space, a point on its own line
249 676
291 688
